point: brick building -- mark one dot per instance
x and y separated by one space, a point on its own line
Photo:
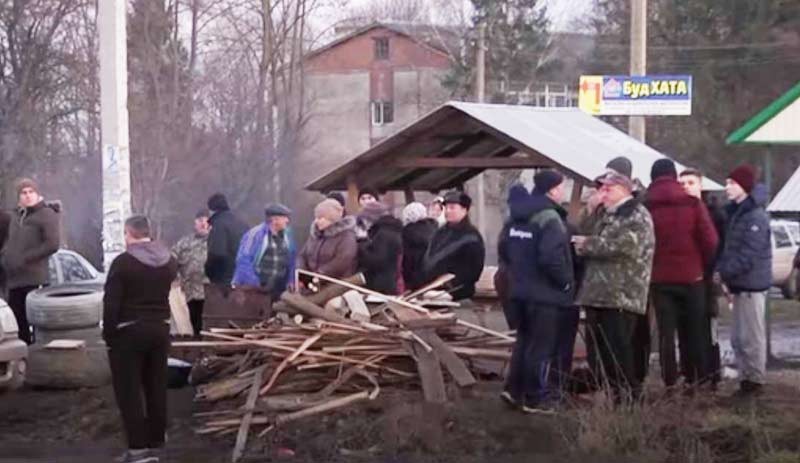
361 88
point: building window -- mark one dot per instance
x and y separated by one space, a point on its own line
382 48
382 112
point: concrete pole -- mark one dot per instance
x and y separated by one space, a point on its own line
636 124
114 126
480 96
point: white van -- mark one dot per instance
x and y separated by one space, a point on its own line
785 242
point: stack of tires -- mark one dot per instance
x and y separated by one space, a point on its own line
68 313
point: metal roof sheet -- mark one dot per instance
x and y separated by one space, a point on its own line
788 199
574 141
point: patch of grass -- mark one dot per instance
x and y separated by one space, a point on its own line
779 457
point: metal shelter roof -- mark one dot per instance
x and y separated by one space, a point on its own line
776 124
458 141
788 199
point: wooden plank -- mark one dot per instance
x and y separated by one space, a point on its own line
66 344
441 281
328 292
430 373
358 308
454 365
306 307
244 428
180 323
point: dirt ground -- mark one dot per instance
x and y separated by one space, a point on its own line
83 426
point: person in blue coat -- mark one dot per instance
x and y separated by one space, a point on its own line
745 266
537 250
266 257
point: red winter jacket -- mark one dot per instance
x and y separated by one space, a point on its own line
686 240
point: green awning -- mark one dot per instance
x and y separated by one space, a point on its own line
778 123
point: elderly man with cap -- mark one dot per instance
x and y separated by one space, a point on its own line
226 233
619 259
745 266
267 254
686 244
33 236
537 251
456 248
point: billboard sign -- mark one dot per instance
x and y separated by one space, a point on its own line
667 95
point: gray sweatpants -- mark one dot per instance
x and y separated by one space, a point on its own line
748 337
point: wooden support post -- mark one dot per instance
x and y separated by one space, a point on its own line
409 192
352 194
575 199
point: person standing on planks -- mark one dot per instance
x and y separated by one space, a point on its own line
136 328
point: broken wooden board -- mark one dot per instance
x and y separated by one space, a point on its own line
180 322
66 344
358 308
244 428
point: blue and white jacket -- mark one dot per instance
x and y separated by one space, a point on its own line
251 250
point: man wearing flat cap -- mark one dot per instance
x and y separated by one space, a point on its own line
618 256
456 248
267 254
191 253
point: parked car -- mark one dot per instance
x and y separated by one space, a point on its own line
13 352
785 245
69 267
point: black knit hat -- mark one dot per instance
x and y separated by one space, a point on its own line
545 180
369 191
663 168
218 202
458 197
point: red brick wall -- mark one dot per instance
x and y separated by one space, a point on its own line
358 53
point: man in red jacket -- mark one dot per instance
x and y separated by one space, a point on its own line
686 242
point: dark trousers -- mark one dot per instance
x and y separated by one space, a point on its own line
534 354
611 332
138 359
641 342
16 300
196 315
681 310
568 320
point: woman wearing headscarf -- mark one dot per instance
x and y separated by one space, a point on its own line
418 230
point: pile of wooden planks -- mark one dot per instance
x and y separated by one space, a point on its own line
316 361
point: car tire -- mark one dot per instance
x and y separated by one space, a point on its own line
789 289
82 367
91 335
65 307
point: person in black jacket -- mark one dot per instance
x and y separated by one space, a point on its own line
226 233
537 249
456 248
136 328
379 255
519 208
418 230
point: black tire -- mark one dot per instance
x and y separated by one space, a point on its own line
91 335
789 289
68 368
65 307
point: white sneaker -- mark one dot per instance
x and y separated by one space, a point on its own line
138 456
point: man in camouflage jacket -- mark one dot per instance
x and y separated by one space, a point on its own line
191 253
618 258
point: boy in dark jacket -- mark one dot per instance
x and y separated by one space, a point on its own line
456 248
136 328
224 238
379 255
686 243
33 236
745 266
537 249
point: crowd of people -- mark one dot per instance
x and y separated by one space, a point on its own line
632 252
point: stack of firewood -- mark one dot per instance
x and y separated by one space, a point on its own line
315 360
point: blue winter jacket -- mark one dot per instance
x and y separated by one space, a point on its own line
745 263
251 250
536 246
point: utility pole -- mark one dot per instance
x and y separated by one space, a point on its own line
636 124
480 96
114 126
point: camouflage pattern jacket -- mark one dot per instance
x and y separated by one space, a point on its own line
190 253
619 259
